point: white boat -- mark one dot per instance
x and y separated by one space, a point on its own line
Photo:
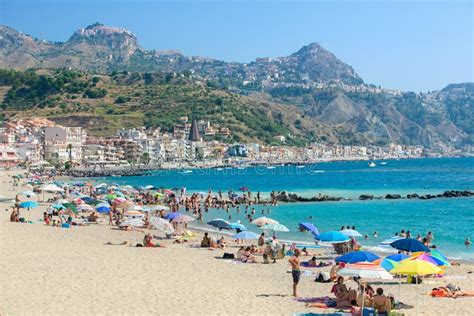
186 171
372 164
220 169
270 167
300 166
383 163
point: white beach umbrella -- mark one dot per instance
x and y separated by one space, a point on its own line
134 208
51 188
136 222
351 233
85 208
158 208
263 220
161 224
275 227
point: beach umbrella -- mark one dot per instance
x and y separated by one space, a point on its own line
119 194
85 208
351 233
132 222
159 208
397 257
161 224
29 204
364 270
119 200
135 208
173 215
427 257
51 188
409 244
89 200
58 206
167 191
263 220
71 207
415 267
438 254
149 187
238 225
126 204
110 196
275 227
357 256
101 185
387 264
220 224
102 209
183 219
201 193
246 235
28 193
133 213
158 194
332 236
309 227
127 187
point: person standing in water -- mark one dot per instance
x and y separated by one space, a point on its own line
295 270
467 242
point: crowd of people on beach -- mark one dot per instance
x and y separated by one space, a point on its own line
269 248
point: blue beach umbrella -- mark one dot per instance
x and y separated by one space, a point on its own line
238 226
246 235
103 209
357 256
438 254
220 223
58 206
388 264
309 227
409 244
332 236
29 204
173 215
397 257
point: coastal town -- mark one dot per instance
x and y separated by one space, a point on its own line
193 143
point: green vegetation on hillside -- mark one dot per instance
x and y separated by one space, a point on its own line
105 103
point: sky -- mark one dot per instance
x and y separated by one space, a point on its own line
409 45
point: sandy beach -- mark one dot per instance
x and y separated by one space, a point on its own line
51 270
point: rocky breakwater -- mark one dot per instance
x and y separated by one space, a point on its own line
445 194
293 197
287 197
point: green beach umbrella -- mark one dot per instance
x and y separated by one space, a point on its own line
72 207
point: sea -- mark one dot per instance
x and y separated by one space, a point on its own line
451 220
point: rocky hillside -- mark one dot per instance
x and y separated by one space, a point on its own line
312 81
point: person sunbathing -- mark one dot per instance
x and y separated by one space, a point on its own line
343 295
446 292
206 241
247 256
147 241
93 217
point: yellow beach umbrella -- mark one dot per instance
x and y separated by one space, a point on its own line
415 267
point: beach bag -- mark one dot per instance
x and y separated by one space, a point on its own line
322 277
228 256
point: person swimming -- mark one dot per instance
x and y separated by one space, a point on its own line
467 242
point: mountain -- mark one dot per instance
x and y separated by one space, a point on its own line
100 48
324 90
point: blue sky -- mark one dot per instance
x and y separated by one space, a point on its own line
409 45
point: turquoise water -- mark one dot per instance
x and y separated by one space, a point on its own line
451 220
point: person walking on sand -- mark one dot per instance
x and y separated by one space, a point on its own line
295 270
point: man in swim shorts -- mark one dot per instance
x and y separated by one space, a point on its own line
295 269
